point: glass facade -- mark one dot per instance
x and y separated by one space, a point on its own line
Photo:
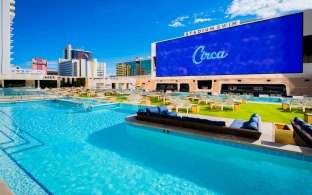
145 67
76 54
66 68
134 68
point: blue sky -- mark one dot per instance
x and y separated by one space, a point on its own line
121 30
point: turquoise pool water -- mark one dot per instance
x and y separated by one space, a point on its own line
19 92
96 152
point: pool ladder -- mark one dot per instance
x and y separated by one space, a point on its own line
16 125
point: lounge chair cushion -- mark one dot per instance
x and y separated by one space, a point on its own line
163 109
152 110
251 125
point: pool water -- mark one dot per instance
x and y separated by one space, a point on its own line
19 92
96 152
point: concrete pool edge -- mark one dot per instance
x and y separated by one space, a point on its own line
263 146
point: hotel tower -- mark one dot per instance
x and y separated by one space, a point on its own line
7 14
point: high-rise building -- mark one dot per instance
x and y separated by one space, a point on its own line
7 14
123 69
136 67
39 64
79 63
70 53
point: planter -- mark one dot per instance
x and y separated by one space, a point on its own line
283 133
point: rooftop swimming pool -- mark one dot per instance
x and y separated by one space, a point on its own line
61 149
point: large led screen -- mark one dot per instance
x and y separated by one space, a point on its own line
264 47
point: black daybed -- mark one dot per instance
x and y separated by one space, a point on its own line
302 132
161 115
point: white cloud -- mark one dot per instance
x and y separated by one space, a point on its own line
178 21
176 24
199 20
266 8
193 19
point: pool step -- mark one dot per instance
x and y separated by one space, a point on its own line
13 143
12 138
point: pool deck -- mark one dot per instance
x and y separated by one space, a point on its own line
266 140
4 190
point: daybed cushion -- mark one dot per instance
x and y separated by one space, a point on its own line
251 125
237 124
254 119
152 110
255 114
142 111
297 119
162 109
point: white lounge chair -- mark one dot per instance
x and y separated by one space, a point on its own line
186 104
307 104
217 103
228 103
295 104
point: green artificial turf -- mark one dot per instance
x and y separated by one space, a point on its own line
121 98
155 101
268 112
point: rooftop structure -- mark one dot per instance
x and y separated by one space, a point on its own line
79 63
39 64
270 56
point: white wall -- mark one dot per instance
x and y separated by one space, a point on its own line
307 68
83 65
307 23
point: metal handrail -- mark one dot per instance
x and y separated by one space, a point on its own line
12 120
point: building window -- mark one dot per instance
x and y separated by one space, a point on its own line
204 84
184 87
307 49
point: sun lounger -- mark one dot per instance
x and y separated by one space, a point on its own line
307 104
295 104
186 104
